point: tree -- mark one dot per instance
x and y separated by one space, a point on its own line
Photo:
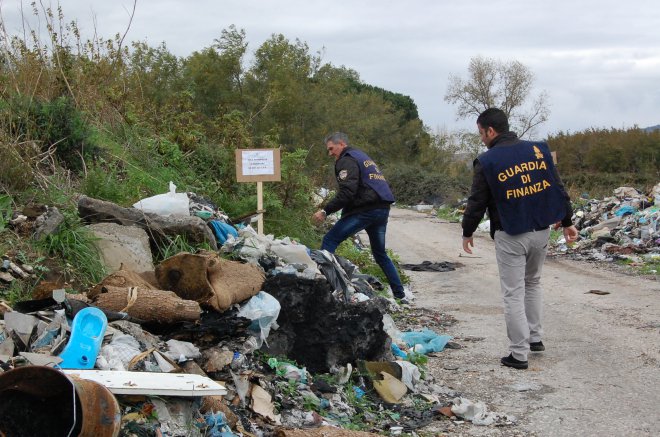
504 85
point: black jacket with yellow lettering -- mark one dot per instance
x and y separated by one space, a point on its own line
481 198
353 196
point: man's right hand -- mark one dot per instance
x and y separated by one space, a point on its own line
570 234
319 217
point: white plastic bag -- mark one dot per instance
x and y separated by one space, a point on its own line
171 203
263 309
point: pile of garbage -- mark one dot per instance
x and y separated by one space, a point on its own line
623 226
277 340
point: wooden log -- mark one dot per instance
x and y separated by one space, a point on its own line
193 228
149 305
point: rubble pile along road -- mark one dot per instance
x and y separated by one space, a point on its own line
600 372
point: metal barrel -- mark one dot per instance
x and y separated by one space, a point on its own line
39 400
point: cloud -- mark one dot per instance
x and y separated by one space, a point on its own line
597 60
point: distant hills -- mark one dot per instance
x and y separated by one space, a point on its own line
652 128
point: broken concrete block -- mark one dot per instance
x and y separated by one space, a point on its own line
48 223
124 247
22 325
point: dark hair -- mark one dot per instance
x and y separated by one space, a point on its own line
495 118
336 138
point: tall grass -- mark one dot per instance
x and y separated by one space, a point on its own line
73 246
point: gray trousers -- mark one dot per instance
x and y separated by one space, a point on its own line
520 261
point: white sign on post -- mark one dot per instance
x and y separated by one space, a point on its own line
258 165
258 162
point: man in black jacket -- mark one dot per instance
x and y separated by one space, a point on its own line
364 198
517 182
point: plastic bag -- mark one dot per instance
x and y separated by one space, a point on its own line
171 203
425 341
223 230
263 309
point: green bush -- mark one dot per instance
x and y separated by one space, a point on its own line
54 124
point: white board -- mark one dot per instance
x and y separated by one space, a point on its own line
258 162
152 383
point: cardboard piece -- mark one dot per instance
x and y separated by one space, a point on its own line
390 389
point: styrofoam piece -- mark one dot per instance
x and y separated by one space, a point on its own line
152 383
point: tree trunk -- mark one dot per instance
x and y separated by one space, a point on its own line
150 305
158 227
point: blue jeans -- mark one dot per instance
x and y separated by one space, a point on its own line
374 222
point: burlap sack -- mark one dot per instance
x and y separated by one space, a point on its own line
209 279
123 279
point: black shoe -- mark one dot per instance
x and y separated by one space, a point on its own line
536 346
512 362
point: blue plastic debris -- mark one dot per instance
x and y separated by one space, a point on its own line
396 350
358 391
222 230
425 341
625 210
87 332
217 424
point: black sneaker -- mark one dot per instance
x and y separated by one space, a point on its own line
512 362
536 346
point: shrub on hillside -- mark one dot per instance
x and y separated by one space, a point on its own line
56 125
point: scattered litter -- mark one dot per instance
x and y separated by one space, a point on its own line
478 414
428 266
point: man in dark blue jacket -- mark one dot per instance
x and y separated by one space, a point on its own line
517 182
364 198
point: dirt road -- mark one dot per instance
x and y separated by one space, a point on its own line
600 373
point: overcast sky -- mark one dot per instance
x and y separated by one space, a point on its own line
599 61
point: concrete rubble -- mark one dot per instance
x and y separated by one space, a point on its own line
300 351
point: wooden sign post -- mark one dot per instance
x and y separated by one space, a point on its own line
258 165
